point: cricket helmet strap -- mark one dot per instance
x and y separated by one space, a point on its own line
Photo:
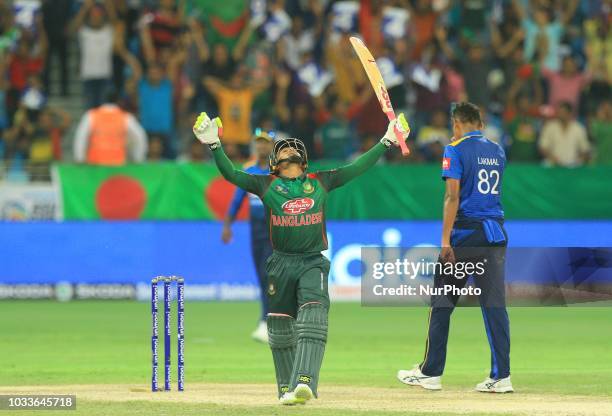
292 143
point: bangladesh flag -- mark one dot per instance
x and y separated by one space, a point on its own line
223 20
166 191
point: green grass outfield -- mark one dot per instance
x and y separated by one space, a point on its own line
555 351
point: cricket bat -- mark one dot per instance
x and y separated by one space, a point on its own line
369 64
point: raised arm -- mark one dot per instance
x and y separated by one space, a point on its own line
198 39
332 179
255 184
283 80
212 84
207 131
109 6
79 19
568 11
335 178
240 48
518 8
148 49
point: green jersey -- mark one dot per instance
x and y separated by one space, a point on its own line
295 208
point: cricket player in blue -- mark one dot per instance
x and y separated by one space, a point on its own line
473 230
261 248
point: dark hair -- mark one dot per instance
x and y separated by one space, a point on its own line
466 113
110 96
566 105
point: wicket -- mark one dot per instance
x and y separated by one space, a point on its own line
180 292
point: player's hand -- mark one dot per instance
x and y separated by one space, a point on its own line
399 124
208 131
447 255
226 235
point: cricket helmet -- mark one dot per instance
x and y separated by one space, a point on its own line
280 144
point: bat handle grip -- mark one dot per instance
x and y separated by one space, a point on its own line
401 140
402 143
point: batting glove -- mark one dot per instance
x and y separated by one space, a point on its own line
208 131
400 124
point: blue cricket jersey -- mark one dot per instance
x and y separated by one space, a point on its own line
257 213
478 163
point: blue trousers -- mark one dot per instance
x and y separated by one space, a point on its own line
261 249
471 244
94 91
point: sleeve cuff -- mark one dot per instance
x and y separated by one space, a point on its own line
451 175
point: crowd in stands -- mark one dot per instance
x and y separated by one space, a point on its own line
539 69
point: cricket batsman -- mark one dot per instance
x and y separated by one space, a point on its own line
261 248
297 271
472 230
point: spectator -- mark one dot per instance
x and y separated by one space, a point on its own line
161 29
476 68
433 137
235 101
564 141
423 23
349 74
542 33
27 61
56 17
523 126
429 86
155 105
601 132
38 135
93 25
4 119
565 85
154 97
473 21
507 55
9 32
107 135
297 43
334 136
220 65
155 150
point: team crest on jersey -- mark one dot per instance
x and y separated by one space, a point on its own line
308 188
271 289
297 206
281 189
446 163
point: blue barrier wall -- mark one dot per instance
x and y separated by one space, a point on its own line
131 252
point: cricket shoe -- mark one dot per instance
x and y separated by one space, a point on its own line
303 392
289 399
414 377
502 385
261 333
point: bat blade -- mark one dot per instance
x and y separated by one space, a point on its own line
369 65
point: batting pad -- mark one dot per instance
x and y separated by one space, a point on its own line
282 340
311 328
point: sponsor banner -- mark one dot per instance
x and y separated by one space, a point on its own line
117 260
66 291
21 202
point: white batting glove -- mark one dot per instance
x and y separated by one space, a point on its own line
400 124
208 131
